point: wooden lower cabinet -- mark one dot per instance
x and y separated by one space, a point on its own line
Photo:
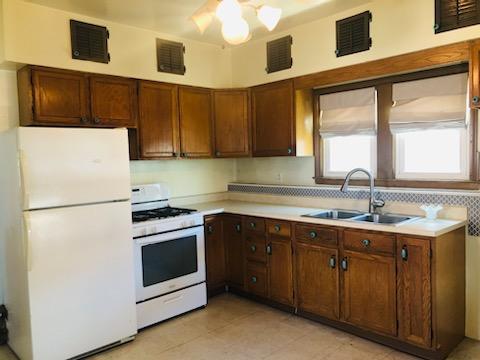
215 254
234 243
318 286
370 291
280 271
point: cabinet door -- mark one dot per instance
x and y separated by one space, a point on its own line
273 119
317 277
280 270
370 291
415 311
195 122
60 97
158 121
475 74
215 250
232 230
114 101
256 279
231 123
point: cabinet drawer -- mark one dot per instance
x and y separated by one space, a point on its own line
311 234
279 228
255 248
256 279
369 242
254 224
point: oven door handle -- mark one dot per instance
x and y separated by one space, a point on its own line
173 235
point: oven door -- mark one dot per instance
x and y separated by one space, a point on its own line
168 262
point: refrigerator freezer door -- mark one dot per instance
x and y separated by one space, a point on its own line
81 278
62 166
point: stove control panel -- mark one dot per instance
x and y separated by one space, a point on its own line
148 228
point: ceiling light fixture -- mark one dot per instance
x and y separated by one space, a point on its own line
235 29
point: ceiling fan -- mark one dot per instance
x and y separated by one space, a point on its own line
235 29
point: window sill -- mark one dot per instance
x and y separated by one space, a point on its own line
417 184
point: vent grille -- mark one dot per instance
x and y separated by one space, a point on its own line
455 14
353 34
170 57
279 54
89 42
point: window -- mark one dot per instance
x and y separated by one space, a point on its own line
344 153
440 154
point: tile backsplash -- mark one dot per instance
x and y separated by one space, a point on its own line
469 200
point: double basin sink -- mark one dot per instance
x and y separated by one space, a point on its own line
383 219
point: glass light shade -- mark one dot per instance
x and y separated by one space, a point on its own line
269 16
235 31
228 10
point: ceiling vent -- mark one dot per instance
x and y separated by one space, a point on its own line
353 34
170 57
455 14
89 42
279 54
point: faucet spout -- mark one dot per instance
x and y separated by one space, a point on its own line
373 203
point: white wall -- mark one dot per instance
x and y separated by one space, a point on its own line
398 27
39 35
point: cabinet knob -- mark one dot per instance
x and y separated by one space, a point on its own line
238 228
217 153
174 154
313 234
344 264
253 225
436 27
332 262
209 229
96 120
84 120
476 99
253 248
404 253
182 154
269 249
289 151
254 279
277 228
366 242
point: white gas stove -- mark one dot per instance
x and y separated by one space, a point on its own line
169 256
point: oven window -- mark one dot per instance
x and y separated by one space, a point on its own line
169 259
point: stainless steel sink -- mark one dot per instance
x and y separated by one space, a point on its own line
335 214
385 219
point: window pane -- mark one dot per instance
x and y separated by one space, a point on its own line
432 154
344 153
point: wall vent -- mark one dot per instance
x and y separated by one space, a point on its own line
279 54
170 57
89 42
353 34
455 14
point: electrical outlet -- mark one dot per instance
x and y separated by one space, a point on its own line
279 177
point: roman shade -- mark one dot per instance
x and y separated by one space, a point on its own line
349 113
435 103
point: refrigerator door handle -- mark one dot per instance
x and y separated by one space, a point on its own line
28 240
24 177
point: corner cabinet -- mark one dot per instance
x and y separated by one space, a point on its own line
231 123
54 97
273 119
475 74
196 139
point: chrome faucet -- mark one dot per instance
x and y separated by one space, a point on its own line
373 203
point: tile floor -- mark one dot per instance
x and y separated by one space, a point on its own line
235 328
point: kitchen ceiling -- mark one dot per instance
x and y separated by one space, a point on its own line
172 17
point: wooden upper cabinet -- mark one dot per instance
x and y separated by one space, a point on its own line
415 290
113 101
318 286
475 74
53 97
195 122
158 120
273 119
370 291
231 123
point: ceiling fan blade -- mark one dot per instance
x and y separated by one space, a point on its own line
204 15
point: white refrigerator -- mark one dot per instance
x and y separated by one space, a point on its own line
67 232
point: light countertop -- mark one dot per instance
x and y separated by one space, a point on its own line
419 227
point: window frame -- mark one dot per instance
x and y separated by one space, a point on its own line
385 140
